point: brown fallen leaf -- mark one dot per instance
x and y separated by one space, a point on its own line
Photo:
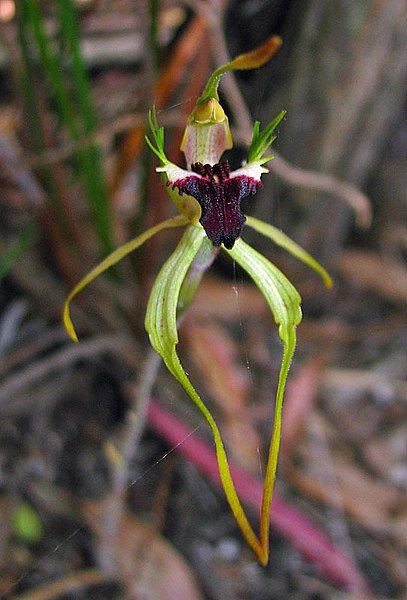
387 454
340 483
149 567
363 497
370 271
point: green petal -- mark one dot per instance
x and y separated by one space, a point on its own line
162 328
111 260
158 135
282 240
284 302
262 140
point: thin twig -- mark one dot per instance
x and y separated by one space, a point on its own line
27 352
355 380
101 136
121 455
346 192
71 584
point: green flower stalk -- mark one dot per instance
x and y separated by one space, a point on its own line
208 196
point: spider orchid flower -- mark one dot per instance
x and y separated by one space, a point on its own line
208 196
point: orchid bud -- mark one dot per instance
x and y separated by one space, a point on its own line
207 134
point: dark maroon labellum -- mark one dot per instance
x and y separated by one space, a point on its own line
219 196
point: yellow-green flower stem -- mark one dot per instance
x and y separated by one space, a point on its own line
270 476
243 62
111 260
260 548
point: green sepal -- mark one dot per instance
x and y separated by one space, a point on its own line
284 302
262 140
282 240
281 296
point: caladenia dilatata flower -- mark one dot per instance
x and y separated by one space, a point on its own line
208 196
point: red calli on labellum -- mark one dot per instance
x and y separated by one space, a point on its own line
219 193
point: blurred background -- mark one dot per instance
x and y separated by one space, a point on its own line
108 487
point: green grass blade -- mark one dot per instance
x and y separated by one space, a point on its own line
32 115
70 36
78 120
154 15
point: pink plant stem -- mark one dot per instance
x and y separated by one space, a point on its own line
310 541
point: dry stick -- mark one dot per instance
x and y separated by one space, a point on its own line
27 352
75 582
289 173
102 135
121 455
347 192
